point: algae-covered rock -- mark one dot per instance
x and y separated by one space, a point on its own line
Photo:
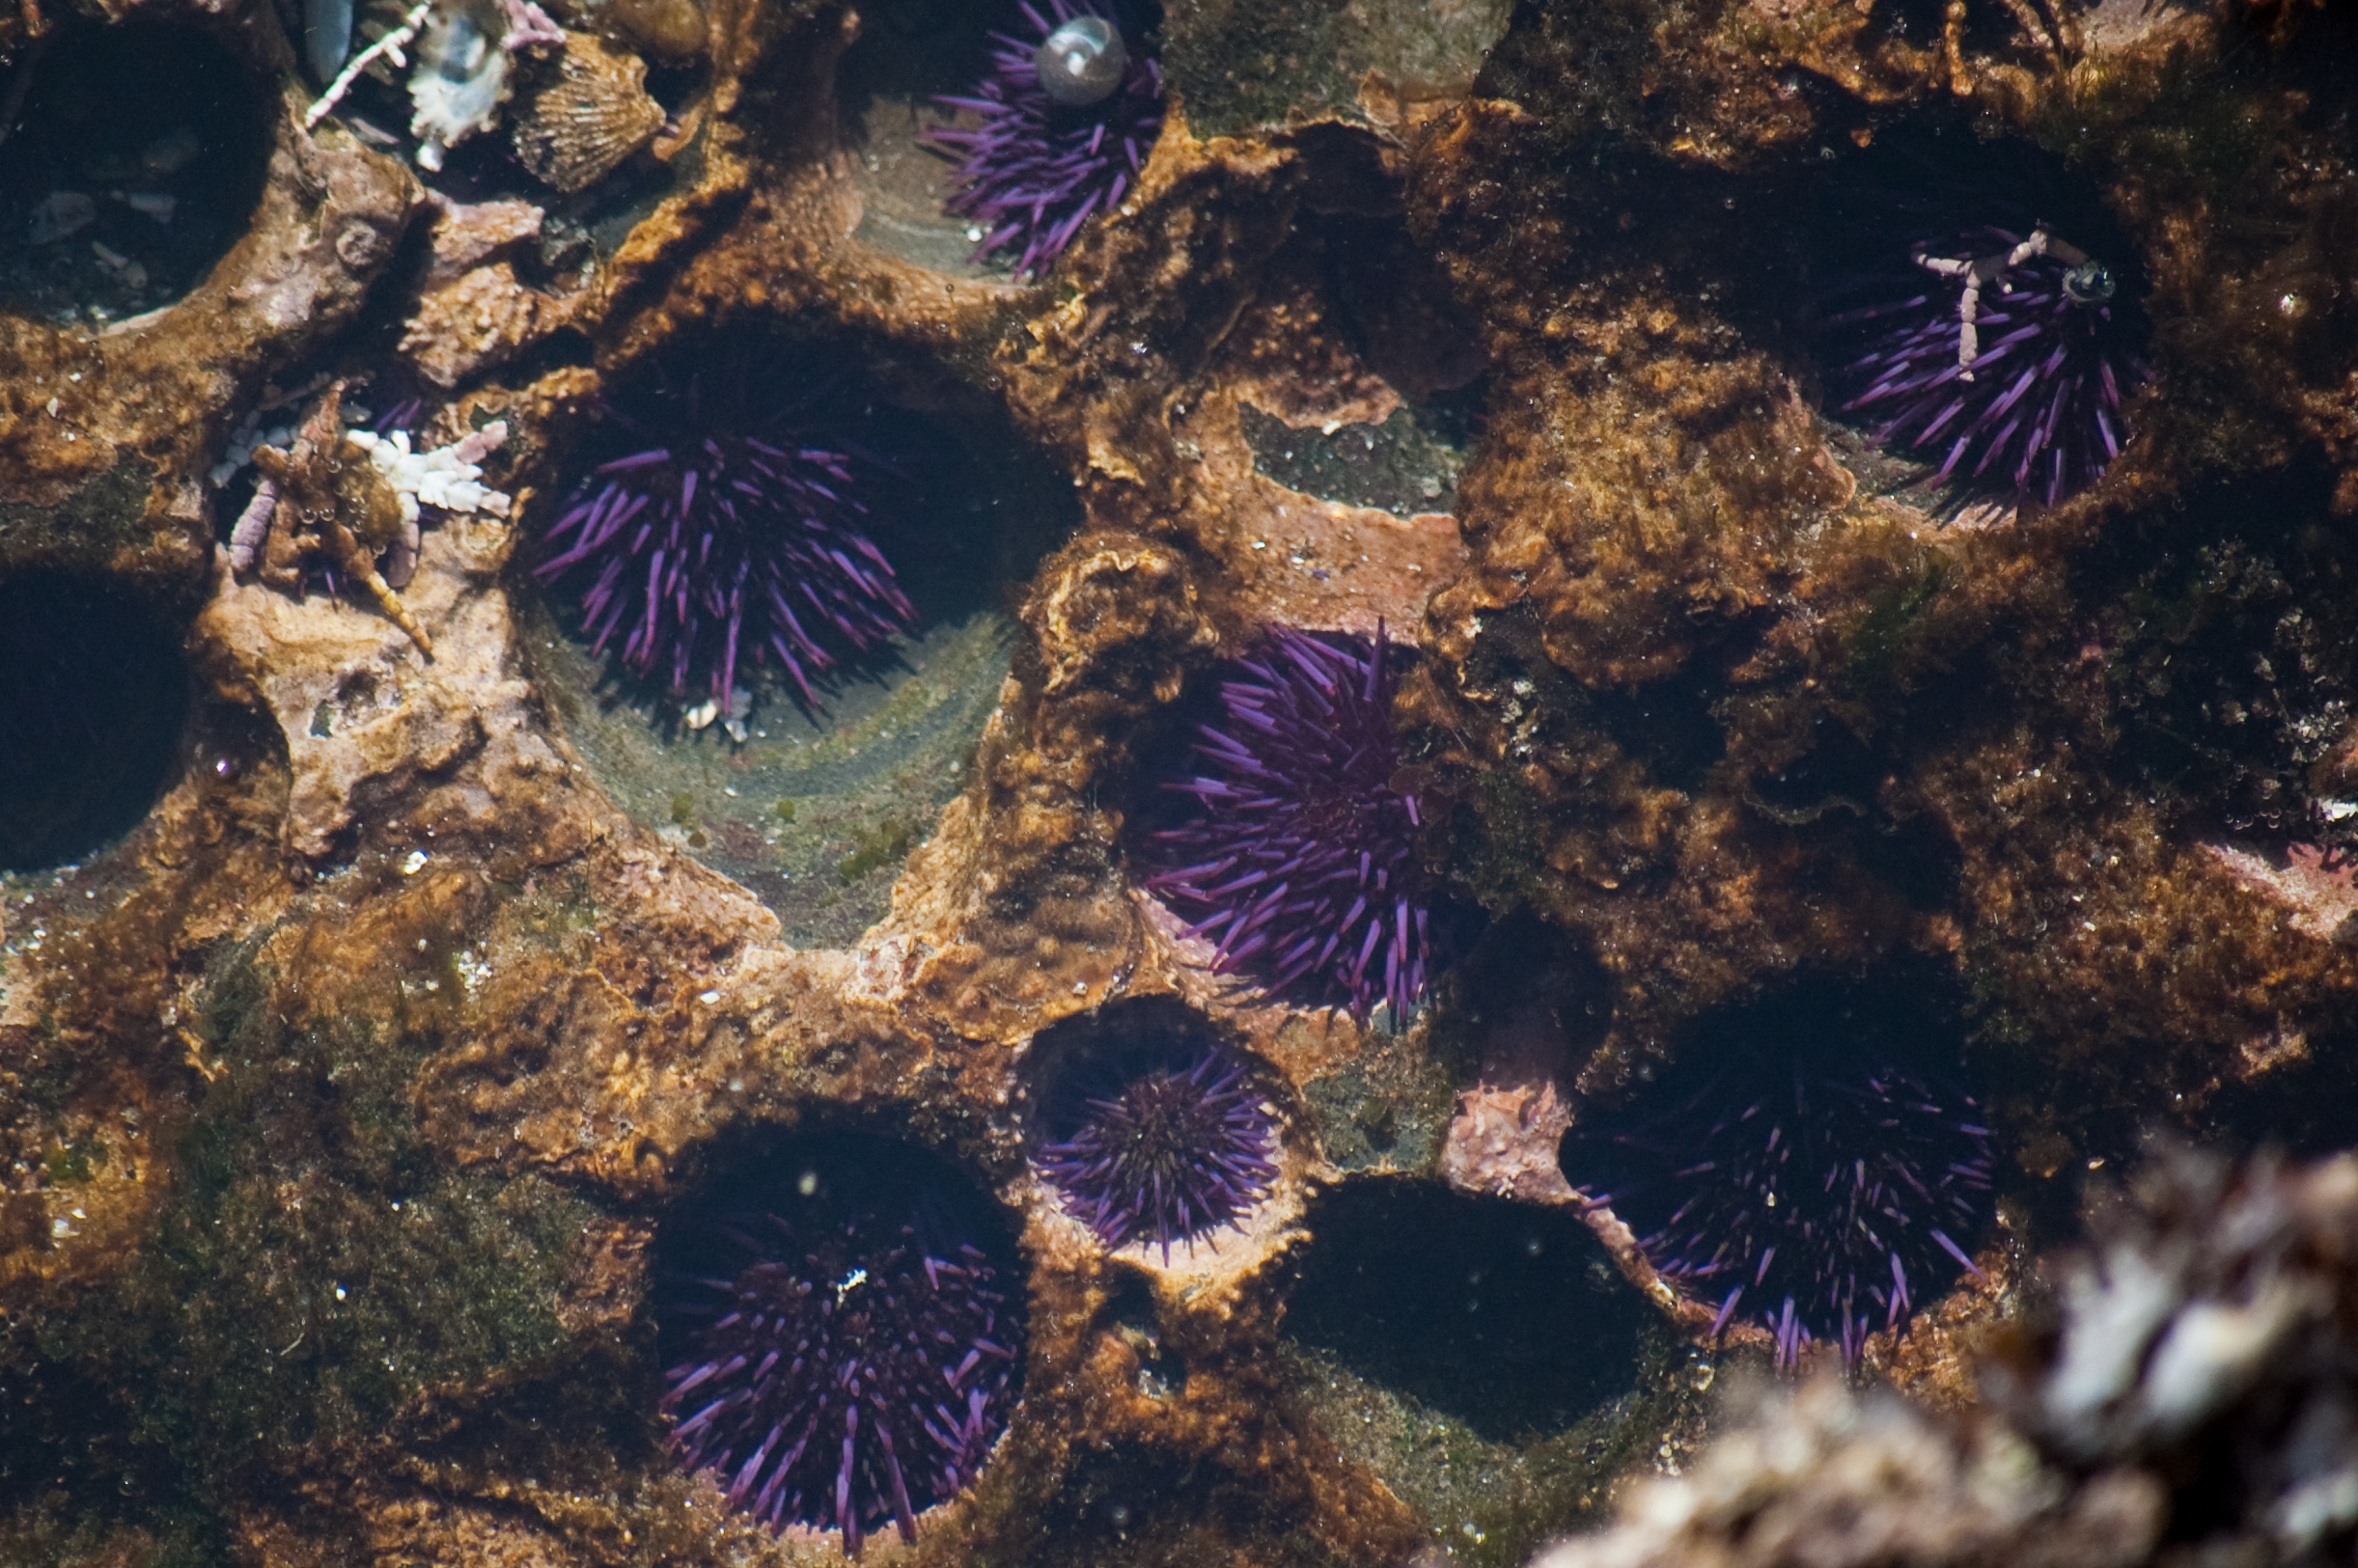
394 1009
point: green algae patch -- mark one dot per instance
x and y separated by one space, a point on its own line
887 845
321 1279
1386 1110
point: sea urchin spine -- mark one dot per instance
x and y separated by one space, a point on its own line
725 528
1051 148
1828 1201
841 1378
2011 364
1301 866
1170 1155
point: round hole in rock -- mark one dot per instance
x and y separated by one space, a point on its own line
811 803
1897 234
1154 1130
885 1282
889 87
1811 1162
89 716
1507 1318
135 163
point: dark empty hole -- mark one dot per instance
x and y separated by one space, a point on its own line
89 716
135 163
1507 1316
914 49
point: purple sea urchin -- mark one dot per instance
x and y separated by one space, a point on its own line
840 1369
1300 866
1828 1199
1167 1156
2005 361
1047 154
730 525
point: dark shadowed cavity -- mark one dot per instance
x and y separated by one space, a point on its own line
1812 1161
1507 1316
839 1327
89 716
134 161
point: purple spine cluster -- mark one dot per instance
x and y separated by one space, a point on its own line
836 1381
2039 410
1032 172
712 540
1827 1203
1170 1155
1301 866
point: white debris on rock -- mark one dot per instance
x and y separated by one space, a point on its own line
448 478
58 214
460 80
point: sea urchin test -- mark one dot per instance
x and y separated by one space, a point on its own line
1081 62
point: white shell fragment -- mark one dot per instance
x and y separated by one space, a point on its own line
58 214
1081 62
460 80
450 478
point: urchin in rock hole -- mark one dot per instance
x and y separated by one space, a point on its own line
1068 110
1300 865
842 1365
2005 362
1167 1154
1828 1198
729 529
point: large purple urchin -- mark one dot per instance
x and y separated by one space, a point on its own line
1168 1155
1827 1201
1034 170
1300 865
729 527
847 1373
2038 410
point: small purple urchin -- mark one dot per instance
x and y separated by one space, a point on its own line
1301 866
847 1373
1170 1155
1036 169
726 527
2034 399
1821 1197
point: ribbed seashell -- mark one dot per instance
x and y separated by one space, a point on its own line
590 115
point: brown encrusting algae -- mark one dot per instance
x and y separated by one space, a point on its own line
1749 604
